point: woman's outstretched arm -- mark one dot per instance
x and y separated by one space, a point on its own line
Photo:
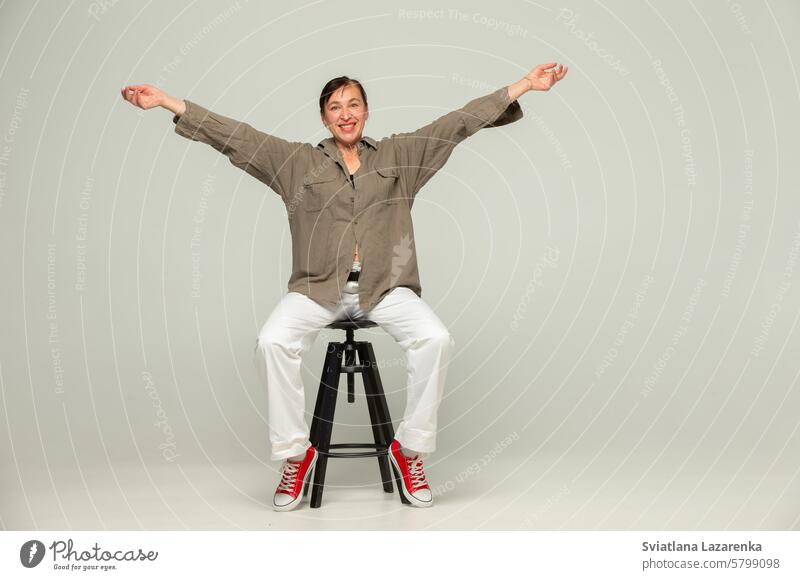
421 153
269 159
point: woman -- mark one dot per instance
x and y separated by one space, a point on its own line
348 201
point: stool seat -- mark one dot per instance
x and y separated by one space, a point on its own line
348 324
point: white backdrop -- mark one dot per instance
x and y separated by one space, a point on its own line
619 269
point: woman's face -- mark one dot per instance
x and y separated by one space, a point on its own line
345 115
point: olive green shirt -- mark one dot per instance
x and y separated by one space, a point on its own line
329 210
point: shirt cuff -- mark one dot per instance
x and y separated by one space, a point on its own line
505 110
191 112
193 119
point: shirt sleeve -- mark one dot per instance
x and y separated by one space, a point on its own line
421 153
269 159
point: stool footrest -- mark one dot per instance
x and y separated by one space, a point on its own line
379 450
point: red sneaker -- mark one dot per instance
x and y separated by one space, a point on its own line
412 477
294 475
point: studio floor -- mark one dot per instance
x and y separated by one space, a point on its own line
536 493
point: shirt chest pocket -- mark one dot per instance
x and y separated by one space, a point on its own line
319 191
387 190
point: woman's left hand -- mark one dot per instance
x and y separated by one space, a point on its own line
542 78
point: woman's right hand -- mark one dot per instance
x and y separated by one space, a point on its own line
144 96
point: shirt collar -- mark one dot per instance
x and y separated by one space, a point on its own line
329 144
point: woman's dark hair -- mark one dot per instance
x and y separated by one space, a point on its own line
335 84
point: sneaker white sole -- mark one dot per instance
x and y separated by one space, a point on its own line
416 502
294 503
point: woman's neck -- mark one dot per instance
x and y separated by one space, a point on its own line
348 151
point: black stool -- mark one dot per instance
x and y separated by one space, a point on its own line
322 424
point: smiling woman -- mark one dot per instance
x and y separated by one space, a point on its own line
348 201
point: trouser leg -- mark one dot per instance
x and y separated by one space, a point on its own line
428 346
288 333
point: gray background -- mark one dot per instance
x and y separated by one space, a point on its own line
619 269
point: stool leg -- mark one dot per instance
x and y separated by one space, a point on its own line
315 421
385 421
314 435
376 419
330 387
383 409
380 397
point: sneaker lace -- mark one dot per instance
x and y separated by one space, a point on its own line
288 476
416 473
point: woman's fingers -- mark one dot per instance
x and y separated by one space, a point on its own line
134 93
131 93
128 93
137 98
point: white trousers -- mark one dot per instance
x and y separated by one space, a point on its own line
291 330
